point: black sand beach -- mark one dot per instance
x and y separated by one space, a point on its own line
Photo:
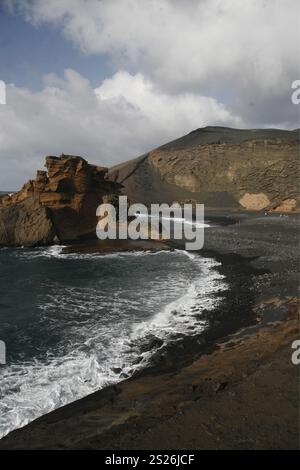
235 389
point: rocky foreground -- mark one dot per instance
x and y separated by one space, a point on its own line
58 206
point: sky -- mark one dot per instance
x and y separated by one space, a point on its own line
112 79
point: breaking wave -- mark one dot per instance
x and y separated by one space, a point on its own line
153 297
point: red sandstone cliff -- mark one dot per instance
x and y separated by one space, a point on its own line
59 205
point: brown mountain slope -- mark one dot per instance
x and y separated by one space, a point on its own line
251 169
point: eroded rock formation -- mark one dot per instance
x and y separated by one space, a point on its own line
62 201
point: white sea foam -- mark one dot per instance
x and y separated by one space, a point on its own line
176 317
101 356
58 251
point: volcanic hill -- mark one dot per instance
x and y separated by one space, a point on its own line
224 168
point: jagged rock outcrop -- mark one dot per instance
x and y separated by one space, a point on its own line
256 169
63 200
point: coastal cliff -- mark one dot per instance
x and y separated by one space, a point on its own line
58 205
223 168
255 169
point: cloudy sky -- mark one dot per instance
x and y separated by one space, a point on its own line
111 79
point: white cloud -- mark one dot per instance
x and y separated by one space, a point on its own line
183 44
180 112
176 62
124 117
245 49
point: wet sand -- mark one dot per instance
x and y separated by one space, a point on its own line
234 387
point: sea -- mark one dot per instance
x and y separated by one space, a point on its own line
74 323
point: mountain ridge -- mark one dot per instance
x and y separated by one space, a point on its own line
252 169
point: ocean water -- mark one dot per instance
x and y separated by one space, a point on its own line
74 323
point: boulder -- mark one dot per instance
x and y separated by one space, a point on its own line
26 223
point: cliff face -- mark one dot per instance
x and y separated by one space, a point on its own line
221 167
26 223
64 198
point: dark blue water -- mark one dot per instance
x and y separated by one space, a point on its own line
74 323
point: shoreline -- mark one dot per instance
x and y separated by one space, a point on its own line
254 281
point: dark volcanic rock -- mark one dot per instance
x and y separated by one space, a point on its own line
68 193
27 223
252 169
